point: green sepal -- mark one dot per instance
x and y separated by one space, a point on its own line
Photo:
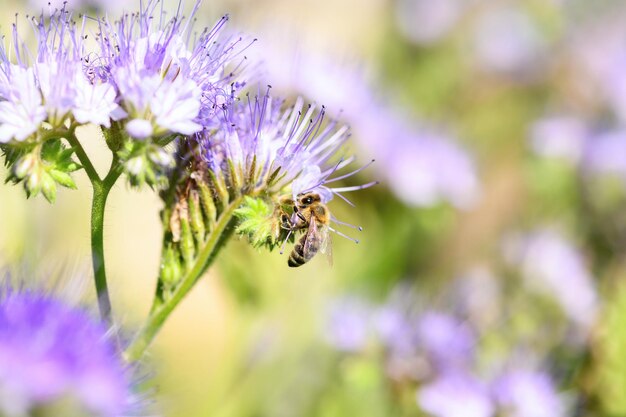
187 245
257 222
171 269
40 167
208 205
145 163
195 217
48 187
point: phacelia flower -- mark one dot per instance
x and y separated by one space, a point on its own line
283 151
561 137
552 265
507 39
52 84
51 353
447 341
456 394
21 108
348 324
425 22
166 83
524 393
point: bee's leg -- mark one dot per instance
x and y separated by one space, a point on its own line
301 216
282 248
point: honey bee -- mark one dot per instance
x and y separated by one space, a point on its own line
311 214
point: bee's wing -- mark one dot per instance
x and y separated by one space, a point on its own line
312 241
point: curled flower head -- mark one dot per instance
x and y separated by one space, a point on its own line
278 151
51 353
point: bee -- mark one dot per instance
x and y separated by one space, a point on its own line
311 214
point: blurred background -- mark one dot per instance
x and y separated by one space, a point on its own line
490 278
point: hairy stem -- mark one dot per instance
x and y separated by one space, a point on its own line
101 189
161 309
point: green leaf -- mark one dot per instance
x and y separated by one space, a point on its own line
257 222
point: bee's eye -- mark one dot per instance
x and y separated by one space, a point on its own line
308 200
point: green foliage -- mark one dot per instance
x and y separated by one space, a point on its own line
257 222
40 167
609 377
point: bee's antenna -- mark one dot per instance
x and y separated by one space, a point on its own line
343 235
334 219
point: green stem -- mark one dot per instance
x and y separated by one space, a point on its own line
101 189
162 309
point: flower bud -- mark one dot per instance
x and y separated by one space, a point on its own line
26 165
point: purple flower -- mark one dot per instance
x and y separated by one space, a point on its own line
396 330
506 40
21 111
54 85
448 342
165 83
599 54
50 351
347 326
552 265
456 394
605 154
559 137
523 393
421 164
425 22
289 150
426 168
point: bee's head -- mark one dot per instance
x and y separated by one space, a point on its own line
307 199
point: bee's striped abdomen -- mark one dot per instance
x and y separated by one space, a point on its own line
296 258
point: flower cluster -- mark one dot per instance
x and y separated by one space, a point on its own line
144 83
438 354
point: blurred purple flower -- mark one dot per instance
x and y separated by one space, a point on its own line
559 137
605 154
448 342
396 331
477 294
456 395
522 393
599 55
425 22
506 40
50 351
421 165
552 265
348 324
